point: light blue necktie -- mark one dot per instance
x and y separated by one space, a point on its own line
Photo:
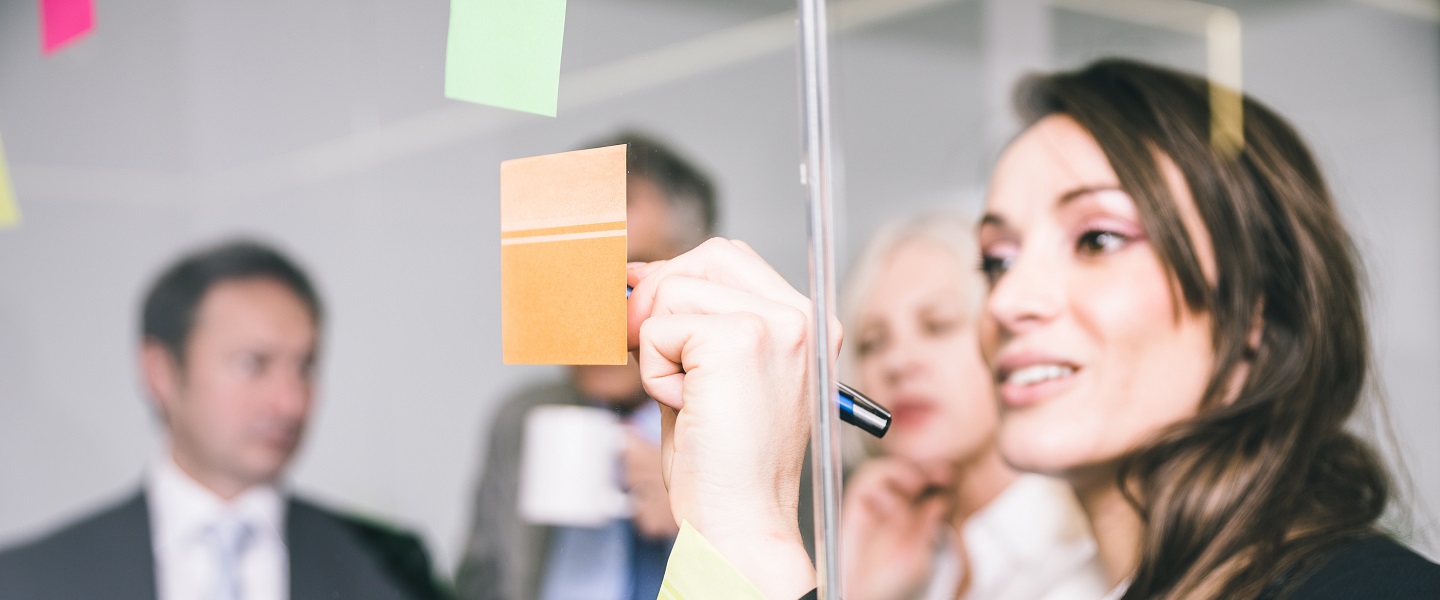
609 562
228 535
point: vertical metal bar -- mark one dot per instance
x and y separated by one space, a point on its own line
817 177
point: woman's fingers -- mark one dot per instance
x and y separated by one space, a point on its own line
718 260
661 352
673 345
726 263
903 477
885 502
890 488
677 294
636 271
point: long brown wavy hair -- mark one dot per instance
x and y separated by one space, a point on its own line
1264 482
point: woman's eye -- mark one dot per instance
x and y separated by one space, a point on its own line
939 327
1100 242
994 266
866 347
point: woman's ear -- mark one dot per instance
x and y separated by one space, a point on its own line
1252 349
1257 331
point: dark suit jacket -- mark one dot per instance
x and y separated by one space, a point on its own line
505 556
109 555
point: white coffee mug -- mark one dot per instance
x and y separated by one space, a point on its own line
569 467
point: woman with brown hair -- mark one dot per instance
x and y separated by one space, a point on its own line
1174 325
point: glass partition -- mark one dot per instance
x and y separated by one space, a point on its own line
322 127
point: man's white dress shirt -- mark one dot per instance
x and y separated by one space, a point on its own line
182 513
1031 542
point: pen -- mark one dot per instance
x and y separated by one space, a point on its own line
862 412
855 408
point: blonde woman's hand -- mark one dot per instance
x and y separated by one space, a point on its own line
721 339
892 517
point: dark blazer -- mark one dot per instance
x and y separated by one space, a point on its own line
1375 568
109 555
505 556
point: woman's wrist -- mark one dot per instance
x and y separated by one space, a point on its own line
773 559
762 543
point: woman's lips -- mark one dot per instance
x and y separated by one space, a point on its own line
910 412
1026 376
1020 393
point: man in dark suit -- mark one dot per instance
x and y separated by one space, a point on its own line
671 208
228 348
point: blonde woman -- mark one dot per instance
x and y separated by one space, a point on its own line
936 513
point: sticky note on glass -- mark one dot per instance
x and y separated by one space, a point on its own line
505 53
63 22
9 211
562 258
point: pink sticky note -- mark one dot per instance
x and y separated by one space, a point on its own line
64 21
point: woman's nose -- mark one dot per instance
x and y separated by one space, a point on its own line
1027 295
902 360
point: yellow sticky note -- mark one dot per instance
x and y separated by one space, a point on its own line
562 258
9 211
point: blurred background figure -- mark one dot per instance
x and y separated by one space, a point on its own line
229 342
671 208
938 514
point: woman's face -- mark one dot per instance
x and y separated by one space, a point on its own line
919 357
1091 349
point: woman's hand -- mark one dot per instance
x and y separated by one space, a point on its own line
891 521
721 339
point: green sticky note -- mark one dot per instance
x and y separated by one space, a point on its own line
9 212
505 53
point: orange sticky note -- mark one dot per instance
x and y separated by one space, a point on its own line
562 258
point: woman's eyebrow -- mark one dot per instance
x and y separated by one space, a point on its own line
1084 190
993 220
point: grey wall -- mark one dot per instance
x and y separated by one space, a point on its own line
321 124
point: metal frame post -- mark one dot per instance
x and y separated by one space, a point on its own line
817 177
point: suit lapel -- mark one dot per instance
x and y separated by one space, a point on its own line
313 574
328 561
537 542
127 569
